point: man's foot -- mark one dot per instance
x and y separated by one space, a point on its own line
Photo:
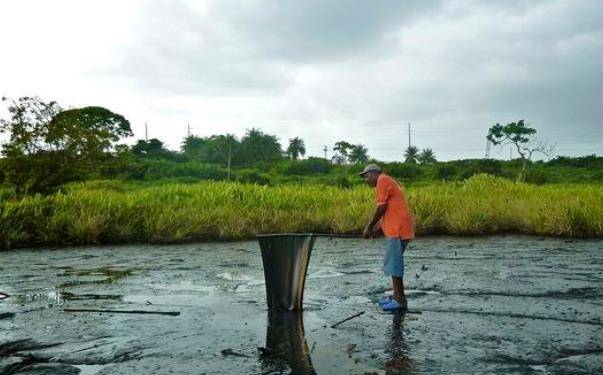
394 306
384 301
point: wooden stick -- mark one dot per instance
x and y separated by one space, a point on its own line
172 313
346 319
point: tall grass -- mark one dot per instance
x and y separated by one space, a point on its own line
112 212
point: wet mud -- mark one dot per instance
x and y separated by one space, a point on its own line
504 304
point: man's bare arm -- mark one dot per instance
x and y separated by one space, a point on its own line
377 215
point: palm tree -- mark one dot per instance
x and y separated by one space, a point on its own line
223 145
359 154
296 148
426 156
342 154
258 146
410 155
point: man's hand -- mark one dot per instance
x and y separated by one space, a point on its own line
376 231
374 223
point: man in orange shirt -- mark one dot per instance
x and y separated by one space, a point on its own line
396 222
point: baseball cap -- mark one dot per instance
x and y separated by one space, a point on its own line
370 168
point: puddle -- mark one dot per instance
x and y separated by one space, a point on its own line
62 297
179 300
324 273
111 274
235 276
89 369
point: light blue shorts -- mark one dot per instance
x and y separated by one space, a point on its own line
393 258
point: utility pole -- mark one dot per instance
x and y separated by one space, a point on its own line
188 130
409 135
510 153
146 132
325 150
487 148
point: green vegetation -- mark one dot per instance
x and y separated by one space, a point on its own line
64 180
49 146
115 212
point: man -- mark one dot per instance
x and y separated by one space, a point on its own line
395 219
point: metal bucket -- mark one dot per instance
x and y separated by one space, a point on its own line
285 258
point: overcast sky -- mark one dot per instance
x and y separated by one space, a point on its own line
323 70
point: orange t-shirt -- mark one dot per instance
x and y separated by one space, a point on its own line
397 220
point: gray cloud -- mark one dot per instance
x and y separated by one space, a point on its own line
180 51
364 70
313 31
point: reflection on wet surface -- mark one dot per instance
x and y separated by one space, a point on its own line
286 348
507 304
398 351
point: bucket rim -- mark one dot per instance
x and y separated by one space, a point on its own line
285 234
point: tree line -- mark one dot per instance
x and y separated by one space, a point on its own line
49 146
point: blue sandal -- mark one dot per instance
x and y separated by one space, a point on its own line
394 306
384 301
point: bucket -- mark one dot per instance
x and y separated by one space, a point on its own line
285 258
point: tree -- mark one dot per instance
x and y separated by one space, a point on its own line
358 154
426 156
411 154
224 146
42 172
296 148
48 147
28 125
87 132
195 148
257 147
151 148
342 152
522 137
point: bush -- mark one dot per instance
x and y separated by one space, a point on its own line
472 167
157 169
343 182
311 165
123 166
2 173
7 194
446 172
403 170
535 176
253 177
580 162
43 172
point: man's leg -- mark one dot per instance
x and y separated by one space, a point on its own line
398 284
393 265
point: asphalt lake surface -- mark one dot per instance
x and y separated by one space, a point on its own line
504 304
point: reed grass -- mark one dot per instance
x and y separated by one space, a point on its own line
103 212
